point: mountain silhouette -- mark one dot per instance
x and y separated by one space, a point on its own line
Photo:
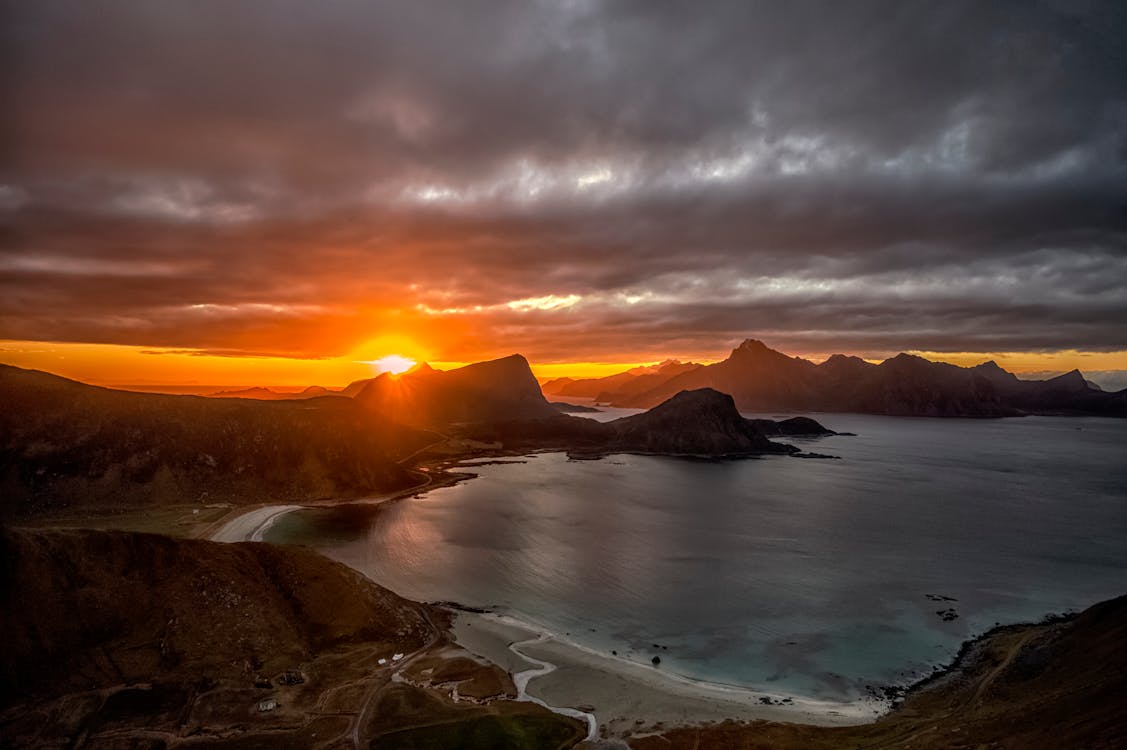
761 379
486 392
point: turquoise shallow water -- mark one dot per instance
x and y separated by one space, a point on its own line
801 576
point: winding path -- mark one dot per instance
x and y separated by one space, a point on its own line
520 679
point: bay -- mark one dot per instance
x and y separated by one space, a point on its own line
803 576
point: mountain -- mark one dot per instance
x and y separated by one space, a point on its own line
552 386
486 392
355 387
67 445
907 385
761 379
265 394
258 392
634 380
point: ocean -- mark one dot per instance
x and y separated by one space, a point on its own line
823 578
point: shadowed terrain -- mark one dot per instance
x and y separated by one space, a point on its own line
114 639
66 445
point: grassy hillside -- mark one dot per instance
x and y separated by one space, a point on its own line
124 640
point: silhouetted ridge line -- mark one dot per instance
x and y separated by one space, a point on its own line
761 379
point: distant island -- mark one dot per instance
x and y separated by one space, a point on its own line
761 379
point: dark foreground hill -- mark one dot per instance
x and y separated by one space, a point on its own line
89 609
67 445
119 640
764 380
1027 687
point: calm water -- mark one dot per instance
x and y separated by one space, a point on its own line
802 576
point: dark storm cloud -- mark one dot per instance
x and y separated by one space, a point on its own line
856 176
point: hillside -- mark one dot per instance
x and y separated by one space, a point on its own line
67 445
116 640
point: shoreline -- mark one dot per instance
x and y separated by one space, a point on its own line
626 697
611 694
232 526
615 696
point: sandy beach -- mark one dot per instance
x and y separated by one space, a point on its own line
626 697
251 525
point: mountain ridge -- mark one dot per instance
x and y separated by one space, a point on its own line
761 379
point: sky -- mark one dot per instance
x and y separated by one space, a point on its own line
285 191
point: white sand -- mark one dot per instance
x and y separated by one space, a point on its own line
489 637
628 697
252 525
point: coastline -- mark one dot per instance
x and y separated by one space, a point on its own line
617 697
626 697
613 695
249 523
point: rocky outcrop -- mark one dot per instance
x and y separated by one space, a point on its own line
793 427
701 422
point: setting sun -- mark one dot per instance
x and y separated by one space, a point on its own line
393 363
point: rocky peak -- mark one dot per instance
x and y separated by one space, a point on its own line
701 422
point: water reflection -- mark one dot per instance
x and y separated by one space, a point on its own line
809 576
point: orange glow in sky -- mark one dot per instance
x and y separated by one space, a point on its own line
106 364
393 363
185 217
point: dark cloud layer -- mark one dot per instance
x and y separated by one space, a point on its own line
646 177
